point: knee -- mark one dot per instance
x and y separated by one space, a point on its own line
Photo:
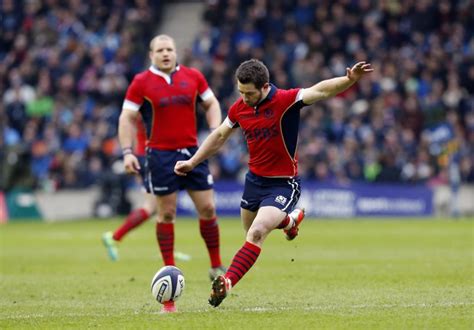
256 235
167 216
207 210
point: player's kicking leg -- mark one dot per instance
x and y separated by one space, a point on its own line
297 216
216 272
221 287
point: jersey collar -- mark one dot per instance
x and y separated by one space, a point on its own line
166 77
272 92
269 96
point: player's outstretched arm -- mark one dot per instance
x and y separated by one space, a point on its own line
334 86
127 132
209 147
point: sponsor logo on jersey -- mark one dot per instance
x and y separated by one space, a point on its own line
175 99
264 133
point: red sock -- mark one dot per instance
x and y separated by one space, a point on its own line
210 233
165 238
134 219
285 222
242 262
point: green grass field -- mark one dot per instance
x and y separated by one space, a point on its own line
360 274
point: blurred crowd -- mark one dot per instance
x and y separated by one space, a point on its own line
65 66
411 121
64 69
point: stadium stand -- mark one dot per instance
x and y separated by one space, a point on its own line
64 67
385 129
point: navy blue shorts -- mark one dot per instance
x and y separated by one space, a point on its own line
278 192
160 178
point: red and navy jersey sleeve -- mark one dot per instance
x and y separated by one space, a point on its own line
291 99
231 119
134 95
201 81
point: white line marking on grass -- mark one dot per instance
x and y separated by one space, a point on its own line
364 306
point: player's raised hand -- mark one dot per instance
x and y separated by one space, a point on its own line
131 164
182 167
358 70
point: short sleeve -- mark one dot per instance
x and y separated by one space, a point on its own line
294 95
134 96
294 98
231 119
203 87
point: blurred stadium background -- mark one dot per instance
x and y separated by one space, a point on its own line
399 143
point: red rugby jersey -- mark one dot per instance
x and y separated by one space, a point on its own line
271 131
167 104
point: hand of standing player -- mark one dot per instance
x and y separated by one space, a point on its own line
358 70
182 167
131 164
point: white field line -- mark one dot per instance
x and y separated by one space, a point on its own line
362 306
253 310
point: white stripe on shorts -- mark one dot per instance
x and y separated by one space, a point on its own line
295 188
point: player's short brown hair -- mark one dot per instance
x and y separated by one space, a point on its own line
253 71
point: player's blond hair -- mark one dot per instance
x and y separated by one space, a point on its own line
161 37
